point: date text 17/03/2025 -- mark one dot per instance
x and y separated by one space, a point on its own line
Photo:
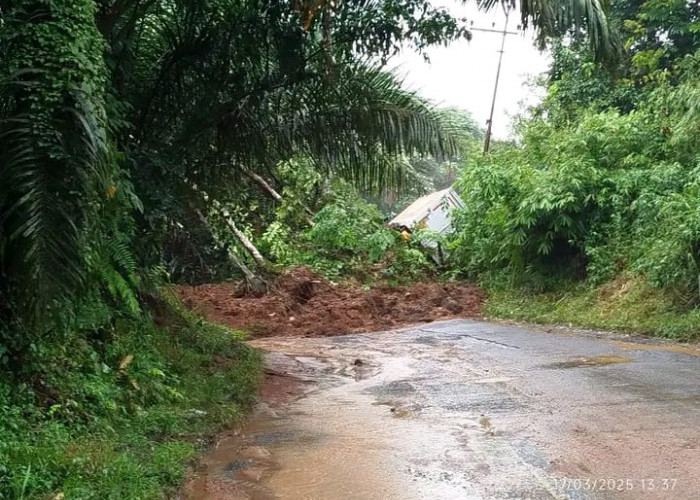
616 484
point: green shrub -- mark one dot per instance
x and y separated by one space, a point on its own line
588 201
116 412
348 237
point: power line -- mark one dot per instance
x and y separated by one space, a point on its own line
504 33
488 30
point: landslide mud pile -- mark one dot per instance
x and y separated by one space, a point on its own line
302 303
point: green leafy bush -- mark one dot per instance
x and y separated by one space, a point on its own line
349 237
605 194
117 411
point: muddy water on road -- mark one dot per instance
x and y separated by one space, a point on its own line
460 410
337 441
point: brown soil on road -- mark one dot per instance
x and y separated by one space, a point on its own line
244 462
302 303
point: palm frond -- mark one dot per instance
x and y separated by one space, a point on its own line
557 17
112 263
360 124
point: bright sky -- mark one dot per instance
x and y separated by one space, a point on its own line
463 74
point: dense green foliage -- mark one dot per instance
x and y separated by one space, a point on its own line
126 126
133 123
55 151
604 180
120 412
348 237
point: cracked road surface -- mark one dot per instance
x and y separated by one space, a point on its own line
467 410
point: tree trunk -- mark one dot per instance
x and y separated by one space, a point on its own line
240 235
234 258
263 184
254 284
272 192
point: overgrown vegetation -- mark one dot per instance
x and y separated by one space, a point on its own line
601 187
347 238
120 411
627 303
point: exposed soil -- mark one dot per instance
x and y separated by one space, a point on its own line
302 303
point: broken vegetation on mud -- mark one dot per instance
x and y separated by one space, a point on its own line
302 303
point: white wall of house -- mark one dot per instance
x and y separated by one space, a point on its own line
438 219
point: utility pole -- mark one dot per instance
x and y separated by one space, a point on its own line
504 33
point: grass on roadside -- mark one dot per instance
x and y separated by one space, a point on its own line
121 416
625 304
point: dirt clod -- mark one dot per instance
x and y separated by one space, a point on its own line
315 307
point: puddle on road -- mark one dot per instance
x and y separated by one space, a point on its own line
329 444
357 436
264 460
388 417
585 361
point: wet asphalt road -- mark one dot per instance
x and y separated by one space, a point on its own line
471 410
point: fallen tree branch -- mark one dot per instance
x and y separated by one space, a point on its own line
226 216
260 181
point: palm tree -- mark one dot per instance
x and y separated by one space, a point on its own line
53 147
